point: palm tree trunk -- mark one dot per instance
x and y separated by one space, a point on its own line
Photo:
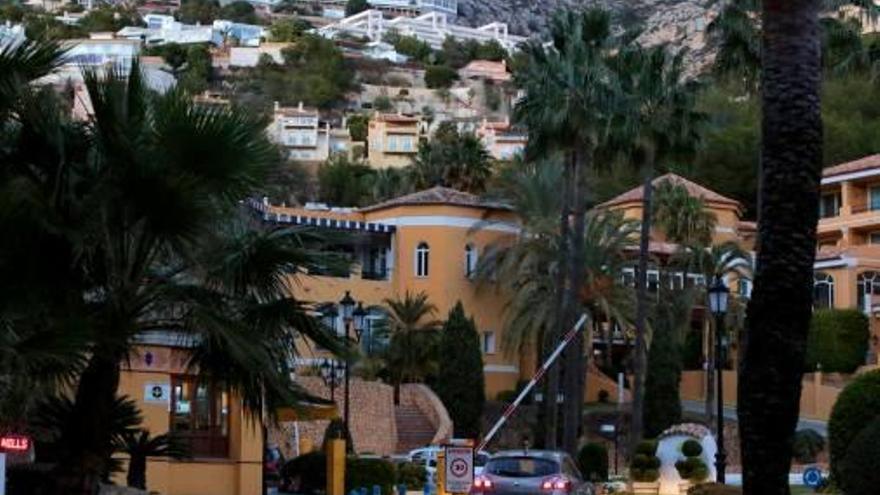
641 348
780 309
90 442
574 362
551 408
709 363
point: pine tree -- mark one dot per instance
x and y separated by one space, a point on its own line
460 383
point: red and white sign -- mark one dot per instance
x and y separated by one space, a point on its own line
15 443
459 469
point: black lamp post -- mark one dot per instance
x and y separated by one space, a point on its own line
352 320
718 295
331 373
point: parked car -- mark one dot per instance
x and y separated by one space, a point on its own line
531 472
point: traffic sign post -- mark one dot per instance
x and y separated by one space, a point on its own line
459 469
2 473
812 477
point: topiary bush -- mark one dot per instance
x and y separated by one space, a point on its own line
692 467
856 406
858 473
807 445
413 475
306 473
645 466
593 461
838 340
714 489
367 473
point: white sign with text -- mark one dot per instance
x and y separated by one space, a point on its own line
459 469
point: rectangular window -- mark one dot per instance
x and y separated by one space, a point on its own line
874 199
407 144
829 205
392 143
874 237
488 342
200 416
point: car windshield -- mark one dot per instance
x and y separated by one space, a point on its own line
480 460
521 467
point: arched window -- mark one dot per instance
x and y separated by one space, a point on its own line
823 290
422 257
868 285
470 260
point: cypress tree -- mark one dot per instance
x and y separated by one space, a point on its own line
460 384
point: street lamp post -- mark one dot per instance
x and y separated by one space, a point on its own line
353 316
718 295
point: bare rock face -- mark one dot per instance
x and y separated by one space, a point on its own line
680 24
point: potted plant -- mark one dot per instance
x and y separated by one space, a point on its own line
645 469
692 469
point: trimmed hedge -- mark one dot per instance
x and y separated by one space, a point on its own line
645 465
859 474
593 461
856 407
308 472
807 444
714 489
367 473
691 448
838 340
412 474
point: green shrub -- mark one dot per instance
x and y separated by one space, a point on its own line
838 340
593 461
857 406
604 396
859 474
506 396
645 465
308 471
714 489
807 444
367 473
412 474
440 76
691 448
692 469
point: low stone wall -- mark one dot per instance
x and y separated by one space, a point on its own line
373 428
423 398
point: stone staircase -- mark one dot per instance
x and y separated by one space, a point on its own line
414 429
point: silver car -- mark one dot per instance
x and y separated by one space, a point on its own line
531 472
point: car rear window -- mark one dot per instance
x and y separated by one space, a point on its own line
521 467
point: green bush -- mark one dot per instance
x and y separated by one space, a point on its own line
506 396
691 448
412 474
838 340
367 473
714 489
440 76
807 444
308 472
859 474
692 469
604 396
645 466
857 406
593 461
461 387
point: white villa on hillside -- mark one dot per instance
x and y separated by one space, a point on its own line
432 28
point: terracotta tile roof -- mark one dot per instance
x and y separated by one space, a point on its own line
866 163
439 196
748 226
393 117
498 70
694 189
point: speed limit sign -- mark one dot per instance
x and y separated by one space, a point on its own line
459 469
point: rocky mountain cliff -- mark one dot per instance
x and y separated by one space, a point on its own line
679 23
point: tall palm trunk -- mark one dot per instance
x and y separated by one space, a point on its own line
551 408
780 309
641 348
574 357
90 443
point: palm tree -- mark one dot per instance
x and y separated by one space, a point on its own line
781 305
660 119
569 95
739 42
458 161
411 355
684 218
139 445
138 211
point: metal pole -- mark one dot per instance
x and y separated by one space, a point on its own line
721 455
348 438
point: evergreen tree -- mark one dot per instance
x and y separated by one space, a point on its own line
460 382
662 403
